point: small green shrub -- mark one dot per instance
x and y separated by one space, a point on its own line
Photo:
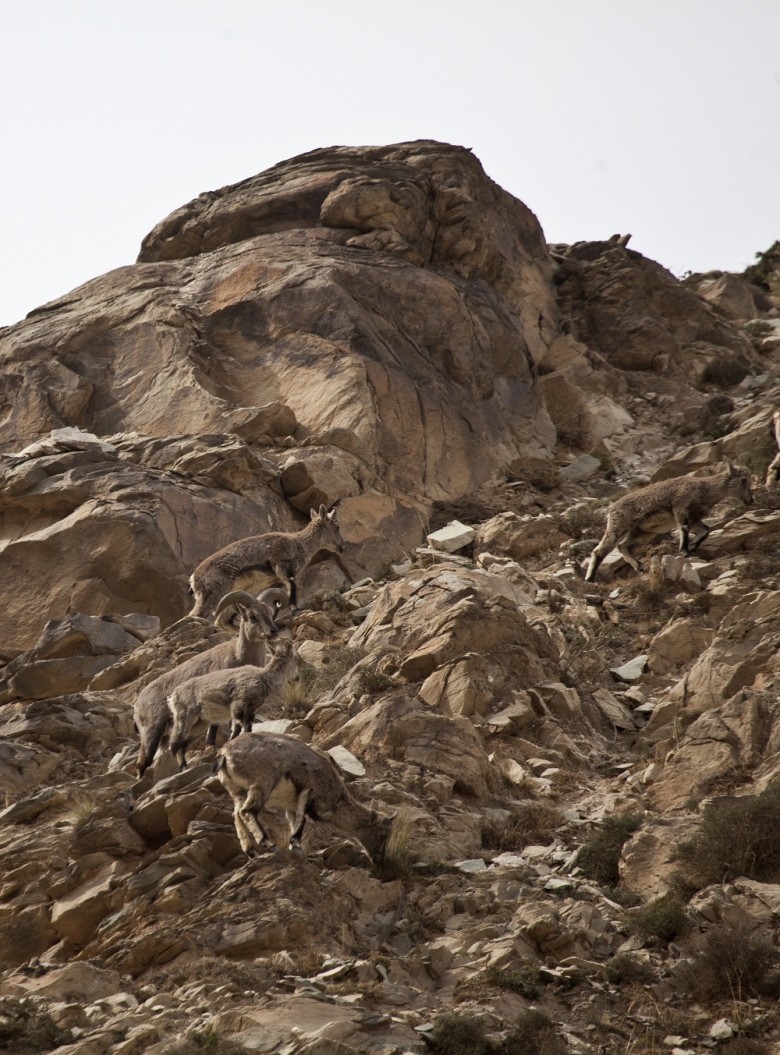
525 980
732 964
599 857
663 918
738 836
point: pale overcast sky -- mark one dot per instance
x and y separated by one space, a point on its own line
658 117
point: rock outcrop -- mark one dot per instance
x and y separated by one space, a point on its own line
584 776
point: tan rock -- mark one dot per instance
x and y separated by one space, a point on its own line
647 862
724 739
678 643
440 615
638 316
76 914
517 536
76 981
408 731
743 648
731 294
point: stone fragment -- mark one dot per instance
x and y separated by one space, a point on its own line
721 1030
451 538
630 671
581 469
518 537
613 710
346 761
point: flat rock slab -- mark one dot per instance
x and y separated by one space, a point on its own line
451 538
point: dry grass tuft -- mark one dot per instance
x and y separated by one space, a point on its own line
531 823
399 858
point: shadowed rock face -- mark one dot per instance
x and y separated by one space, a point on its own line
369 317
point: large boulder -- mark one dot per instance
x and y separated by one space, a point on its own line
639 316
345 324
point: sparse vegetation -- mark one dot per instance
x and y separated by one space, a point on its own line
83 807
22 937
761 452
725 372
732 964
529 823
664 918
599 857
583 518
399 858
738 836
524 979
338 662
764 272
745 1046
206 1042
27 1028
296 696
243 976
625 969
374 682
533 1034
455 1034
652 592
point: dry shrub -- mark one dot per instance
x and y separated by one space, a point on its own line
534 1034
652 592
732 964
745 1046
336 663
296 696
399 858
664 918
583 518
206 1042
22 937
454 1034
738 837
24 1028
725 372
525 980
625 969
244 976
599 857
532 823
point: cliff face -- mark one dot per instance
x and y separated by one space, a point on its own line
384 327
365 323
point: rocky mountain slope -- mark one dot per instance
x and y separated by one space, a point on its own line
586 855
